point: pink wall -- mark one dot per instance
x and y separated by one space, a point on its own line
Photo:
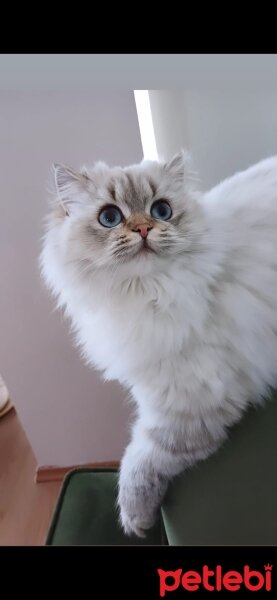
70 416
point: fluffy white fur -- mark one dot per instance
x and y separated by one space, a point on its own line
191 328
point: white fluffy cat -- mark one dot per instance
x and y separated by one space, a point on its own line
173 293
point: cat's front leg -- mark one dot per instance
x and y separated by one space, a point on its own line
146 470
154 456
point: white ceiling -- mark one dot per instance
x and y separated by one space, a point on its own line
137 71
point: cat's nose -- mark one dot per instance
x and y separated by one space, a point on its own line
143 230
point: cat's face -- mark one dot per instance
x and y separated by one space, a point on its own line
136 216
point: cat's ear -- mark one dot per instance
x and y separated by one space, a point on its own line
71 188
179 166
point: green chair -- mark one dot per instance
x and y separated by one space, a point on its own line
86 513
229 499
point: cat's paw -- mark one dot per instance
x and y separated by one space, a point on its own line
132 523
141 491
135 516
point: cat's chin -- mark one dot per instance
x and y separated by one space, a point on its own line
143 264
144 256
145 251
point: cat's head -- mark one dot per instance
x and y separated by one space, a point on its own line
133 218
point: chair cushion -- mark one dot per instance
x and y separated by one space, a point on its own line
231 498
85 513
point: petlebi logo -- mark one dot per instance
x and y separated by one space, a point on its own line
216 580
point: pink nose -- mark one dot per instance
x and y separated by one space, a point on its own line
143 230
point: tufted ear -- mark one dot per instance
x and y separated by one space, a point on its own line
179 165
71 188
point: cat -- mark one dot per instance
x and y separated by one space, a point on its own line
172 292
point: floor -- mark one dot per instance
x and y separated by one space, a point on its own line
25 507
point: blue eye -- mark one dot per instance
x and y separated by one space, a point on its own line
110 216
161 210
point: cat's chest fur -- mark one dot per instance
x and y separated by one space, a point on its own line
139 323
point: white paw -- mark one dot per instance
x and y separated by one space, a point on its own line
135 523
141 491
139 504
